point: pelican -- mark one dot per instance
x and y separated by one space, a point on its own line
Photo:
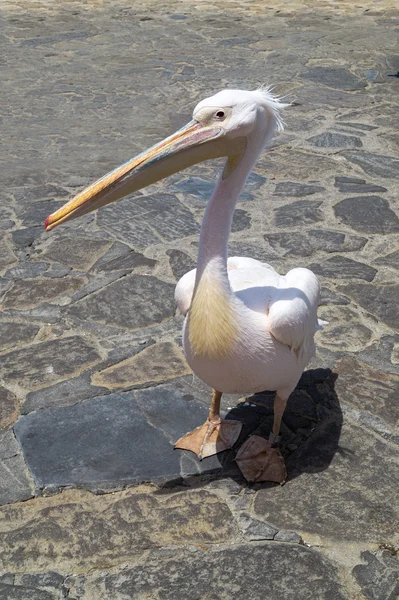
246 327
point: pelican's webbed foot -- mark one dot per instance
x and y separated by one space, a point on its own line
211 438
261 460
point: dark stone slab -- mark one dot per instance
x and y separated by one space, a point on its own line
381 300
7 256
375 165
27 293
369 214
21 592
48 362
353 185
180 263
341 267
34 215
302 212
378 575
290 188
132 302
328 296
63 393
122 258
15 482
145 220
334 77
238 572
353 499
241 220
202 189
390 260
361 126
39 192
368 389
335 140
112 440
77 252
255 249
305 244
26 269
26 237
9 407
12 333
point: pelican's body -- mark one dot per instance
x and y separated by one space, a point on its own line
247 328
275 331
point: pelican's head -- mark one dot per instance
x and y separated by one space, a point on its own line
222 125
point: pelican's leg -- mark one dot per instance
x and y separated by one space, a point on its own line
259 459
214 436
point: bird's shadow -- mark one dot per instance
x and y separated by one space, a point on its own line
310 431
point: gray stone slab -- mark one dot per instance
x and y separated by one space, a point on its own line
19 592
112 440
378 575
334 77
28 293
9 407
241 220
291 188
132 302
47 362
121 257
180 263
305 244
368 214
145 220
375 165
26 269
390 260
380 300
328 296
77 252
16 484
237 572
341 267
353 185
335 140
302 212
12 333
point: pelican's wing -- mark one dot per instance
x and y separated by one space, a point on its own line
184 291
292 312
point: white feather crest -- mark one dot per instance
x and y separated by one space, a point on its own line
272 103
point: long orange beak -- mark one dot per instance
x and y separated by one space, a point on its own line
192 144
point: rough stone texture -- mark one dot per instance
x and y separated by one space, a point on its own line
141 301
368 214
86 86
155 364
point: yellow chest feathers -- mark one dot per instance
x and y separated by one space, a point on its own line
212 322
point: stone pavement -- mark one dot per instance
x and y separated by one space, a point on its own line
94 387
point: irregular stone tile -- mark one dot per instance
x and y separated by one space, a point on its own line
180 263
154 364
335 140
48 362
7 256
315 95
290 188
15 482
28 293
45 313
202 189
361 126
302 212
9 407
78 532
146 220
32 193
132 302
352 498
353 185
25 237
374 164
334 77
241 220
341 267
238 572
13 333
19 592
257 250
368 214
391 260
26 269
378 575
368 389
381 300
57 270
305 244
121 257
63 393
328 296
77 252
34 215
343 332
294 165
253 529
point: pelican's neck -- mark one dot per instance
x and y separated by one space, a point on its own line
218 216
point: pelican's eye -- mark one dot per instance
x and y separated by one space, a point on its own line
220 114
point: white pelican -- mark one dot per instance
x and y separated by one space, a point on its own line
247 328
